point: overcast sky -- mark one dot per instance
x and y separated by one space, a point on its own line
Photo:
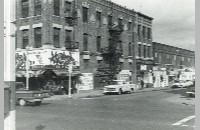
174 20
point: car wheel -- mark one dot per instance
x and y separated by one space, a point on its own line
120 91
132 90
38 103
22 102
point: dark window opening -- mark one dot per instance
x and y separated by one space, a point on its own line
139 50
68 6
25 8
144 51
120 23
25 39
68 39
144 32
56 37
85 14
56 7
139 28
149 33
129 49
98 18
110 20
85 42
38 7
38 37
129 26
98 44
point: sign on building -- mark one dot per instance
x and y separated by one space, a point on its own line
86 81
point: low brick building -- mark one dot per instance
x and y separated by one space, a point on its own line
83 26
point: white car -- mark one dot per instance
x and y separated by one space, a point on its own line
179 84
119 87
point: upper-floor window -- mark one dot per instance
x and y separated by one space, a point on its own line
68 39
98 44
110 19
129 49
56 37
38 7
98 18
156 54
167 56
149 33
149 51
25 8
129 25
120 22
85 15
68 6
25 39
139 50
145 51
139 30
56 7
85 42
121 46
188 59
144 32
183 58
38 37
174 57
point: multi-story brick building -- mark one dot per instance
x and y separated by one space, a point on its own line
83 25
173 61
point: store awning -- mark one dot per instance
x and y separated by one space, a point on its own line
31 73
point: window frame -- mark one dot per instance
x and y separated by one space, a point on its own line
56 7
85 14
25 37
24 8
56 37
38 36
37 7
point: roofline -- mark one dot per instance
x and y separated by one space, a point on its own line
145 15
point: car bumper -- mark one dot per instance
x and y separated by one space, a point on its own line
110 91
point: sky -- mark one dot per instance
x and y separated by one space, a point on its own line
173 23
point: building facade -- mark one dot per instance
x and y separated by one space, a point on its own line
173 63
63 25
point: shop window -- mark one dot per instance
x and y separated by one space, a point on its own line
85 42
38 7
25 39
25 8
38 37
98 44
98 18
56 6
85 15
56 37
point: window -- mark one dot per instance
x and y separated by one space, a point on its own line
167 56
183 58
38 7
145 51
129 49
121 46
129 25
110 19
188 59
25 8
149 33
139 26
85 14
68 39
98 44
56 7
139 50
144 32
149 51
98 18
156 54
25 39
56 37
85 42
68 6
38 37
120 22
174 57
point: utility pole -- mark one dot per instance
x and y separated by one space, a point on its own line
27 69
70 72
9 65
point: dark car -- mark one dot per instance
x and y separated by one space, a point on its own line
24 96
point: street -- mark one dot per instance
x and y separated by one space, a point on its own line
155 110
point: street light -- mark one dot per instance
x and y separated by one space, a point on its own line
70 72
27 68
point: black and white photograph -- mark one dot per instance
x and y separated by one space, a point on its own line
99 65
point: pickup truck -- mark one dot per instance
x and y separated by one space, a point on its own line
119 87
24 96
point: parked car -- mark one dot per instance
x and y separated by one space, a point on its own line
119 87
24 96
191 90
179 84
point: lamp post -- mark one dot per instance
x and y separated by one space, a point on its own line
70 72
27 69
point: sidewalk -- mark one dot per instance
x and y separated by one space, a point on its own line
98 93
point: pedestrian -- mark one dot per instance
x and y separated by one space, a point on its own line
142 84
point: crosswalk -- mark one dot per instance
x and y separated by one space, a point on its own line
184 122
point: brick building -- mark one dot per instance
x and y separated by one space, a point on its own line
173 61
83 25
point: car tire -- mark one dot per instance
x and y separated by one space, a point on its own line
22 102
120 91
38 103
132 90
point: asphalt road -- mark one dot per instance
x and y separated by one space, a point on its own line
155 110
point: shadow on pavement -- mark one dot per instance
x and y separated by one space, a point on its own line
179 91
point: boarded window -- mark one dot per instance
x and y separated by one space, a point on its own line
85 15
56 37
38 37
56 7
25 8
25 39
38 7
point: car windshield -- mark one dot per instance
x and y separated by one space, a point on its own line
115 82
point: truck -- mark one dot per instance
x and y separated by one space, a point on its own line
119 87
